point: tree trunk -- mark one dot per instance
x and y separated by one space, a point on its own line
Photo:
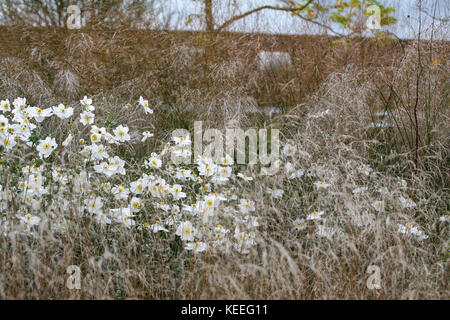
209 48
209 17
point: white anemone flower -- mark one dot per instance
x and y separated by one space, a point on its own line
46 147
29 219
144 103
406 202
289 150
87 118
299 224
196 246
63 112
186 231
315 215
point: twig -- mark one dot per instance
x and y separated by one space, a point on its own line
419 71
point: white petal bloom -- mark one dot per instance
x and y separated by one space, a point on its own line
98 152
402 183
365 169
207 169
224 172
359 190
94 205
87 103
378 205
297 174
315 215
241 247
46 147
248 238
299 224
105 168
123 216
67 141
183 174
186 231
289 167
181 151
420 235
5 106
406 202
144 103
156 227
313 172
4 122
220 232
39 114
87 118
227 160
62 112
445 218
193 209
117 165
120 192
96 137
251 221
136 204
146 135
138 186
102 218
289 150
8 142
383 190
211 201
321 184
412 230
246 206
276 194
176 192
182 140
121 133
126 221
326 232
29 219
153 162
405 229
244 176
196 246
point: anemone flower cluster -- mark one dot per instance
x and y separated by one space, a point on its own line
208 205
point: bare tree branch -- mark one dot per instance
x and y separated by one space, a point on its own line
267 7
